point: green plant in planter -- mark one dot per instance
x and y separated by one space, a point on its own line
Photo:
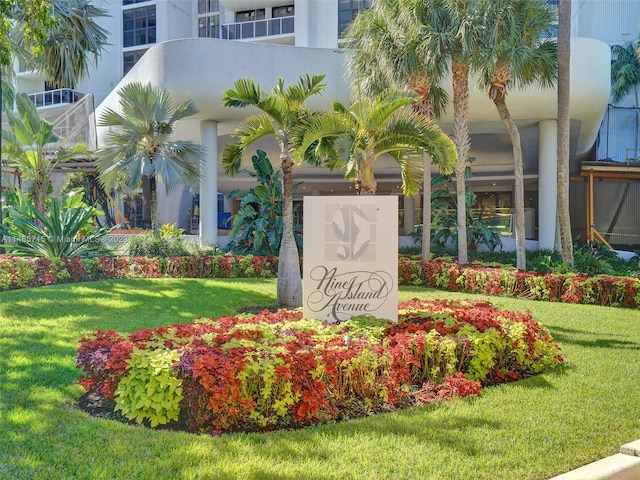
257 227
65 229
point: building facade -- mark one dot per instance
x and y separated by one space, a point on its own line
197 48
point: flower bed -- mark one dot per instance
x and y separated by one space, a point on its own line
278 370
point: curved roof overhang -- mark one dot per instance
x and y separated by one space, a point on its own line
202 68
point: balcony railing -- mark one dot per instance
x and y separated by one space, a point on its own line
61 96
259 28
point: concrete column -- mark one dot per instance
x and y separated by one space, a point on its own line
209 184
409 215
301 23
547 183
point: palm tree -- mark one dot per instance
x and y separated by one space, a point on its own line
76 41
625 71
446 38
516 52
40 21
386 49
139 143
54 36
26 148
371 128
281 113
564 59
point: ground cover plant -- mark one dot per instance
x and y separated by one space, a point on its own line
531 429
278 370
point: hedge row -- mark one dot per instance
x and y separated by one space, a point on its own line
605 290
18 272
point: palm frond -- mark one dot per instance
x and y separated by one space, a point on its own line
246 93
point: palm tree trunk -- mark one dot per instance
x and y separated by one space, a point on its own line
146 203
426 208
518 173
153 200
564 57
2 250
289 285
462 143
368 185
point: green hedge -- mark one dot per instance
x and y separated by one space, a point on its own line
19 272
605 290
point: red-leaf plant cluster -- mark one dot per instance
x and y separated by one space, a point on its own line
278 370
604 290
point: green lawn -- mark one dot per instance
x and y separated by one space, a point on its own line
531 429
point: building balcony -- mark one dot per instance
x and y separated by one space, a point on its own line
259 28
54 98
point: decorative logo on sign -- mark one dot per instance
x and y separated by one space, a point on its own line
350 233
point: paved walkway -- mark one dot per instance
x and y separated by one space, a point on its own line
621 466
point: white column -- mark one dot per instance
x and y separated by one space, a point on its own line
209 184
547 183
409 214
301 23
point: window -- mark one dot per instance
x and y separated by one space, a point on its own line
209 18
209 26
131 58
347 11
208 6
131 2
286 11
139 26
250 15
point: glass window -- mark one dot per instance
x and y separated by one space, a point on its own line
208 6
131 2
130 59
139 26
250 15
209 26
347 11
286 11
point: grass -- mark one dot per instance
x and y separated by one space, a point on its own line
531 429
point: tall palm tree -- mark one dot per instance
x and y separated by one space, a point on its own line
139 143
281 113
516 52
25 147
564 121
371 128
449 35
385 49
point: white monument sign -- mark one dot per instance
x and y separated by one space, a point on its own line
350 257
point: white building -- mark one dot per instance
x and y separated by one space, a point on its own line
197 48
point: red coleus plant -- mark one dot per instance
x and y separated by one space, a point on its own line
453 386
277 370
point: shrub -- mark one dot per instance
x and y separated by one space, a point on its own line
148 245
